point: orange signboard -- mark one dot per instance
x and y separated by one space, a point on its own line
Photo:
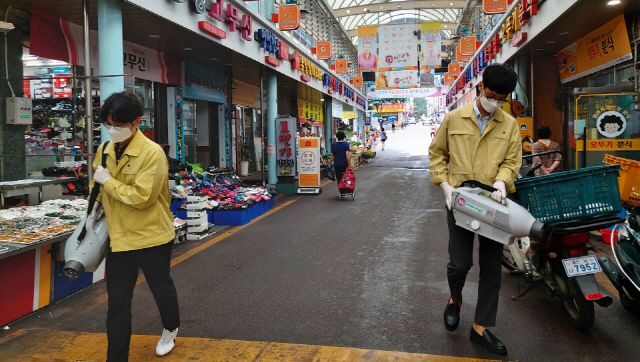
323 50
288 17
494 6
468 45
448 78
603 48
357 81
341 66
454 69
460 57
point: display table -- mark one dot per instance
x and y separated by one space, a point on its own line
30 186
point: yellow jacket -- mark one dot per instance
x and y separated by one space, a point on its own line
459 153
136 199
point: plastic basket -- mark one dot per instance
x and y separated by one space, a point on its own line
629 180
571 195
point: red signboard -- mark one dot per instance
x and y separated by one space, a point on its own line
271 60
209 28
284 51
519 39
305 78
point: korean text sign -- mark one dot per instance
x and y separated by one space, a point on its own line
309 162
286 146
203 83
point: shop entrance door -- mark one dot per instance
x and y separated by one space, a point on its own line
603 121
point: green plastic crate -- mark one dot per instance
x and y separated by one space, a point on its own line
571 195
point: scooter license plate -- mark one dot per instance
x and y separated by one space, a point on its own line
582 265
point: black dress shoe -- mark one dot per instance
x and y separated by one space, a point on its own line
487 340
451 317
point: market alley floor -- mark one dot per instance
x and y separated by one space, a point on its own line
319 279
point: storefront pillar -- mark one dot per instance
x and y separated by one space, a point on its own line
361 136
328 122
267 8
272 114
110 49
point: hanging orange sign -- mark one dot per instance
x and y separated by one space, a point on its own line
460 57
448 78
323 49
454 69
494 6
341 66
468 45
288 17
357 81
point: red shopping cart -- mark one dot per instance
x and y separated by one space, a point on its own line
347 184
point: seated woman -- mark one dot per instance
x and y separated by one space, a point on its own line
550 162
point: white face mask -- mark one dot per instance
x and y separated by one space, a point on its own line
489 105
119 136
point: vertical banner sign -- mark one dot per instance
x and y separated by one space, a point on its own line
179 126
368 48
323 49
494 6
309 162
603 48
431 45
341 65
357 81
402 79
286 146
398 47
454 69
468 45
461 57
288 17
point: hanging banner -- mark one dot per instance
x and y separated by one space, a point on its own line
460 57
494 6
341 66
286 146
372 93
357 81
468 45
402 79
309 163
367 48
64 41
288 17
603 48
179 125
454 69
398 47
391 108
323 50
431 45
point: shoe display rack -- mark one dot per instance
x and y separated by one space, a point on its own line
197 218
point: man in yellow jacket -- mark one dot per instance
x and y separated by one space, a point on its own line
135 198
477 142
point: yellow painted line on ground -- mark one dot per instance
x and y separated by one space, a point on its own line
179 259
43 345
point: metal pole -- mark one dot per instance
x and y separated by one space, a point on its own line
88 99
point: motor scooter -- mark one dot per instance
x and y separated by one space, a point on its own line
559 259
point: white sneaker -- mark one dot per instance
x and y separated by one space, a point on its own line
166 342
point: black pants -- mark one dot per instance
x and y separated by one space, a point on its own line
339 171
122 273
461 260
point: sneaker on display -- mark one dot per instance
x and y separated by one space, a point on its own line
166 342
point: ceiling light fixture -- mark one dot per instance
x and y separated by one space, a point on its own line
564 33
613 2
365 10
188 49
445 25
214 58
154 36
381 7
348 11
399 6
540 49
551 42
450 4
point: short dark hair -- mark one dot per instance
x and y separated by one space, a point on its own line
499 78
123 107
544 132
611 119
340 135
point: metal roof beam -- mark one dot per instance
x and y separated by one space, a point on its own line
399 5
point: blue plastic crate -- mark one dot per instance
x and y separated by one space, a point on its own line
232 217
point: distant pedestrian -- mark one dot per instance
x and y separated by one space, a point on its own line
383 137
393 127
402 125
340 155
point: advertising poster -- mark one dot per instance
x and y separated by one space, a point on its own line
286 146
431 45
179 126
605 47
310 112
402 79
203 83
398 47
368 48
309 162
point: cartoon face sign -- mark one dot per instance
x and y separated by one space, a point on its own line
611 124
